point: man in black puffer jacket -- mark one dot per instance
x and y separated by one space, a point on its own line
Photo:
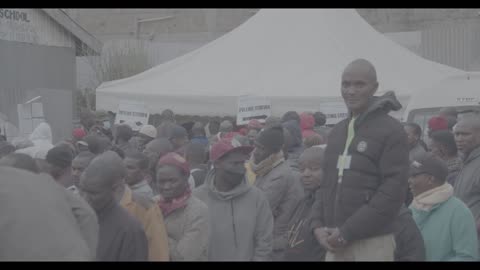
366 172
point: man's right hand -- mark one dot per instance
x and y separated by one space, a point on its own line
322 234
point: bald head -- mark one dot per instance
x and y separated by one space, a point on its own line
359 84
363 67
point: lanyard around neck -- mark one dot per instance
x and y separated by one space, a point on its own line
350 136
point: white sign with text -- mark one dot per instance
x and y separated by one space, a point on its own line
134 114
253 107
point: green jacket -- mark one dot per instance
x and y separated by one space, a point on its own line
448 231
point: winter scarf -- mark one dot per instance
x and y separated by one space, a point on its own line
430 198
177 203
265 166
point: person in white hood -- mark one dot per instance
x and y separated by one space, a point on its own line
41 138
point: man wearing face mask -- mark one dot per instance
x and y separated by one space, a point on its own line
241 221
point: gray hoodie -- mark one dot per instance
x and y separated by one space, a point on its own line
241 222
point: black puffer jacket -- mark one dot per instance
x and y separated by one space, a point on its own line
372 191
408 238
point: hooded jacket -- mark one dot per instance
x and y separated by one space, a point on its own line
241 222
367 201
41 138
307 122
284 192
448 230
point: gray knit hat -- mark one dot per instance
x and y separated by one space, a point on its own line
272 138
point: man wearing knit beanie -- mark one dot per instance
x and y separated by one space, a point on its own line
59 160
275 178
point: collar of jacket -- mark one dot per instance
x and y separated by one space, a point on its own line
384 104
240 189
473 155
127 196
140 184
106 209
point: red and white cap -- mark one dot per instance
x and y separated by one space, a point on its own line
226 146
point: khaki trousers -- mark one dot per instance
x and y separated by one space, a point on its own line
380 248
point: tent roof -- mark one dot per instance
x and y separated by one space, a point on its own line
280 53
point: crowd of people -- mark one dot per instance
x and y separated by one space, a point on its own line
369 188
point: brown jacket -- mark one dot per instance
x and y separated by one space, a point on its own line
148 213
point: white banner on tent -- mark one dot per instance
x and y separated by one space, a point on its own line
252 107
335 112
134 114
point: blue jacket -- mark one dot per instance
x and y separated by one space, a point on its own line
449 231
200 139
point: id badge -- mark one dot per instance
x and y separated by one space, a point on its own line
343 162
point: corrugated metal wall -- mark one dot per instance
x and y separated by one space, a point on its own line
26 67
41 30
453 43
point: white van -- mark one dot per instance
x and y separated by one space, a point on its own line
461 92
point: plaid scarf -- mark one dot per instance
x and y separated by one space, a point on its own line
177 203
266 165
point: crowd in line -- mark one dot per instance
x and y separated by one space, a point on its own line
290 189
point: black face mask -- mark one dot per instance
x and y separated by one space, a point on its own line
235 176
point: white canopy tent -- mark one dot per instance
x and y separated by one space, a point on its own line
293 56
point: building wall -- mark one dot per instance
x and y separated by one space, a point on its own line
37 59
185 24
447 36
27 67
33 26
